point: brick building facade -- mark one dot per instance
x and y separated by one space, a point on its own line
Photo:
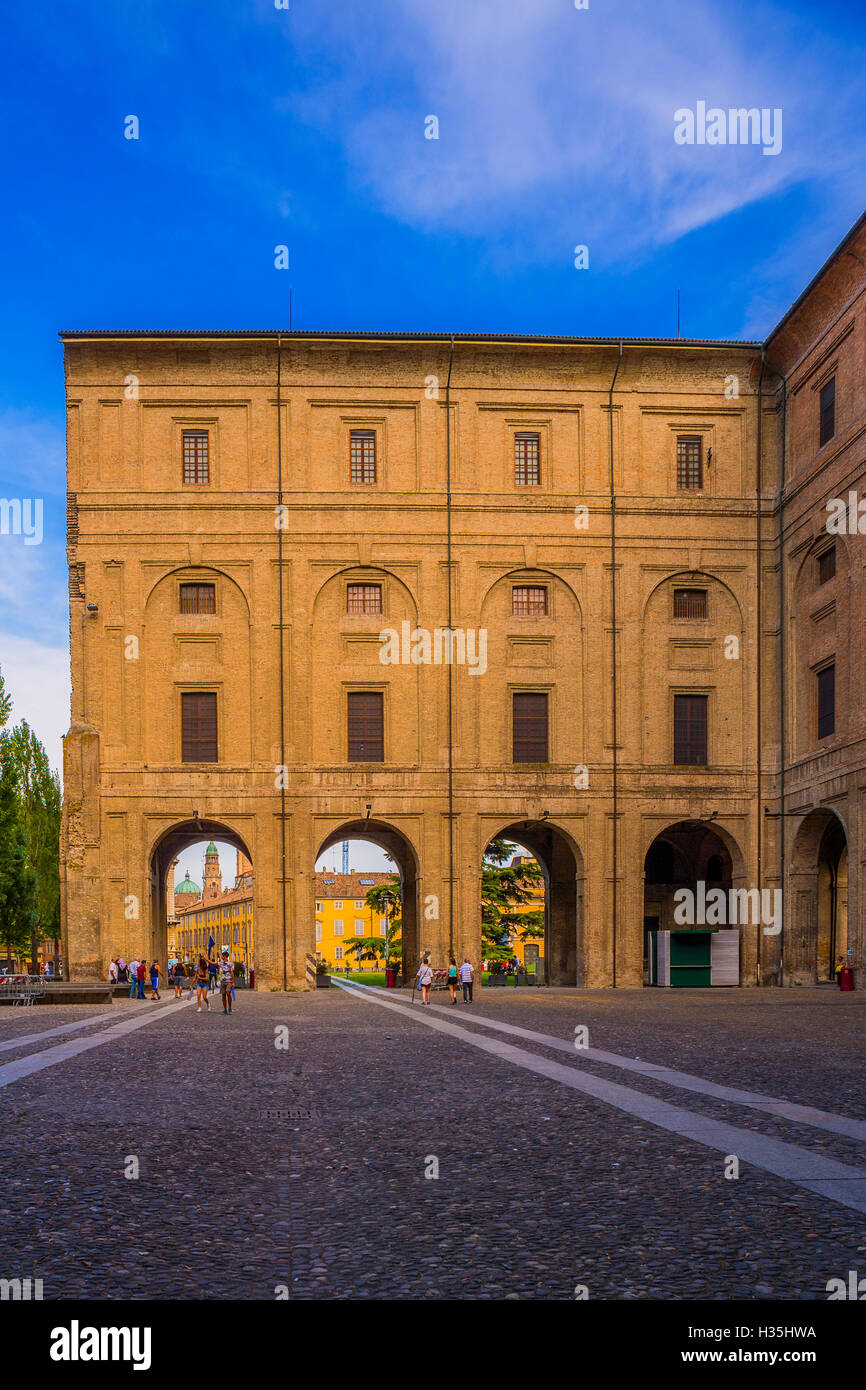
597 523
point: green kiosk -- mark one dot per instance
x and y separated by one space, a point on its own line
692 957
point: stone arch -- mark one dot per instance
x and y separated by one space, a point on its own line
562 864
682 855
165 848
817 924
398 844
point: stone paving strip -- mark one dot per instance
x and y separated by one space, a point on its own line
51 1056
784 1109
11 1044
824 1176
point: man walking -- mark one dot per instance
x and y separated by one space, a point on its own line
133 976
142 975
467 975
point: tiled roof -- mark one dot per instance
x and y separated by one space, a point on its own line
349 885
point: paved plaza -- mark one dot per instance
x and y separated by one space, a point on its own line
304 1165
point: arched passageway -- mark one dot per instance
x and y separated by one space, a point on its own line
163 859
816 933
562 867
693 855
405 859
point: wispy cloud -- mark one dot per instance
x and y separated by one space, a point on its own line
561 121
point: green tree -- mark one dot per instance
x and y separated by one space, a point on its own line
17 881
505 887
39 803
386 899
366 948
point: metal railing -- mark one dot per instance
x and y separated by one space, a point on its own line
21 989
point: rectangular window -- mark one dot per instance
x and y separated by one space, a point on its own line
362 456
827 565
338 904
318 907
359 927
529 600
364 598
689 461
827 702
318 931
530 727
828 411
338 927
366 727
690 603
198 598
383 930
199 726
338 953
195 456
690 730
527 460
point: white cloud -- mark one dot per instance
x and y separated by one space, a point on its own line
37 678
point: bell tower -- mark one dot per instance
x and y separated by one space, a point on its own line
213 879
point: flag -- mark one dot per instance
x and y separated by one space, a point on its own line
210 943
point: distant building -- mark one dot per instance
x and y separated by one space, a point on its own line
342 915
224 914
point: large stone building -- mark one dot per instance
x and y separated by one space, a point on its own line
268 534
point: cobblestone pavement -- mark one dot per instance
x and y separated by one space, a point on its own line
262 1165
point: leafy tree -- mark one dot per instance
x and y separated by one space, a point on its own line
5 703
505 887
386 899
366 948
39 803
17 882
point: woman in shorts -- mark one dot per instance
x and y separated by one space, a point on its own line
453 979
425 979
201 984
155 973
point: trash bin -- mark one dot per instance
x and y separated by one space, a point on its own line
390 977
252 978
846 978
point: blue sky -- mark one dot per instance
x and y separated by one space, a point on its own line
305 126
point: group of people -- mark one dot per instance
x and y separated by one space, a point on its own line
203 975
455 976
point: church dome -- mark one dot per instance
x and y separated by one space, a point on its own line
187 887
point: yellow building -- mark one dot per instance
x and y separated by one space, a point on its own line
516 942
224 914
342 916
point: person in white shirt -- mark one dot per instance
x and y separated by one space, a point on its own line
112 971
133 975
425 979
467 975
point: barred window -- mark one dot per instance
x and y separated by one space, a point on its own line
827 565
527 460
529 724
529 599
690 603
364 598
199 726
690 730
362 456
366 727
827 701
689 472
827 427
195 456
198 598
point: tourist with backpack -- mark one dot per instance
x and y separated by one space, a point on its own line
155 973
452 979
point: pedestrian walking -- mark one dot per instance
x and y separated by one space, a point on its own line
467 976
425 979
452 979
227 981
122 975
112 971
201 983
212 973
142 976
178 979
155 973
133 976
